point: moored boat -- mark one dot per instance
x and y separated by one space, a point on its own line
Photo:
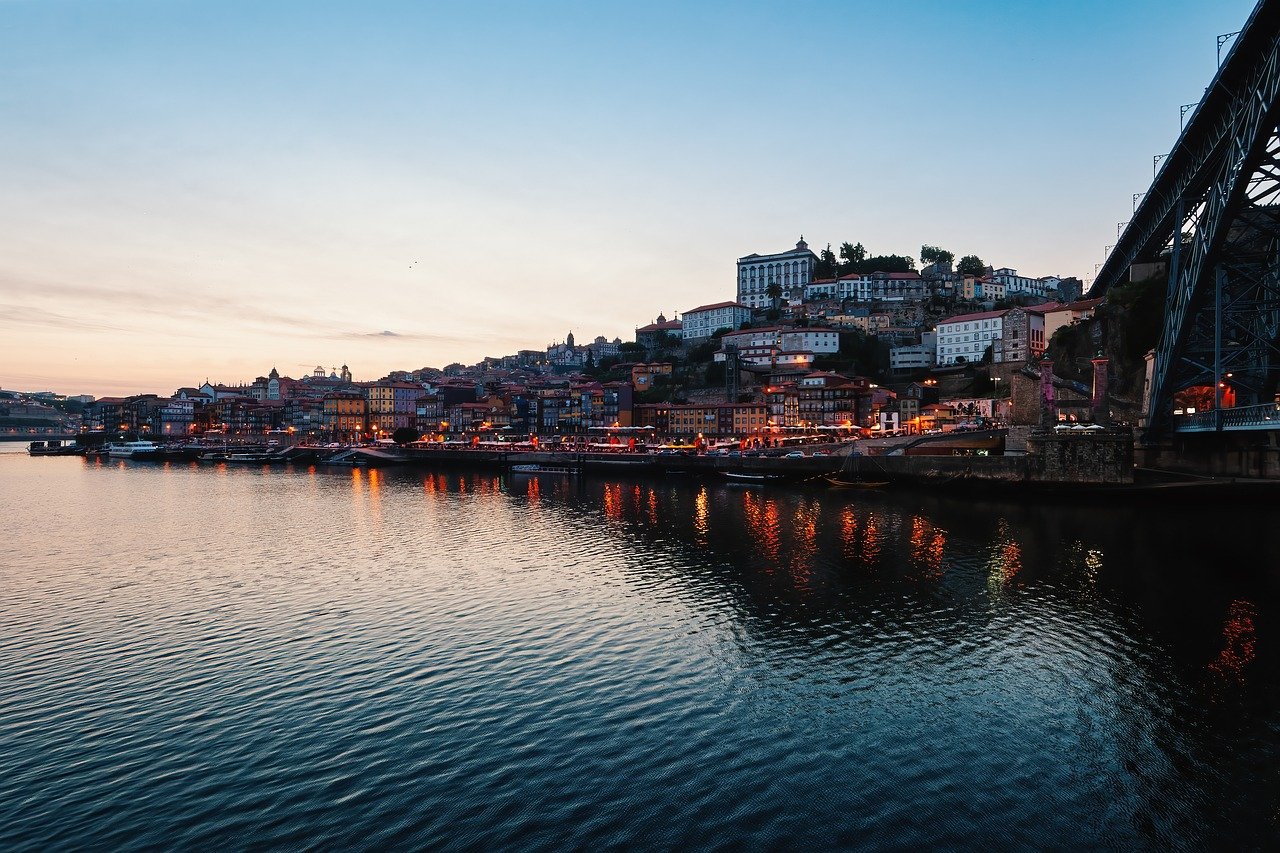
543 469
135 450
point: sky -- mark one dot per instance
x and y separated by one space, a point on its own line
196 189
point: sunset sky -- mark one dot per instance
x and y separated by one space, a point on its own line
194 189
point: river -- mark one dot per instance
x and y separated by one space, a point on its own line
211 656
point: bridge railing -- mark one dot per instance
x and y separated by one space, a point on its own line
1261 416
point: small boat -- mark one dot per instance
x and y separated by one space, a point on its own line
543 469
135 450
745 477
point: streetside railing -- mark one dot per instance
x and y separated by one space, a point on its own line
1261 416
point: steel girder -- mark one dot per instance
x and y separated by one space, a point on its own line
1222 305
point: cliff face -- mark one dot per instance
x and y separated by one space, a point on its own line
1123 329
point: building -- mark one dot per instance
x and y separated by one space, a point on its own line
701 322
921 356
658 333
1021 335
791 271
829 399
392 405
964 339
345 415
1057 316
811 340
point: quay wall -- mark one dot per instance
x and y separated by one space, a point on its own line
1052 459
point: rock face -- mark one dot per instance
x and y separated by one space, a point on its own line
1122 329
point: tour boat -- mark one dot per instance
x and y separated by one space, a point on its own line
135 450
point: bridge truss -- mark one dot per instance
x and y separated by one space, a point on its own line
1212 216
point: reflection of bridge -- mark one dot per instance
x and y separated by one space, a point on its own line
1211 223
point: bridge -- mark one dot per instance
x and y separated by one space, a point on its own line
1210 222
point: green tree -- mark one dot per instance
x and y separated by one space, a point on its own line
933 254
887 263
852 255
826 267
631 351
774 292
971 265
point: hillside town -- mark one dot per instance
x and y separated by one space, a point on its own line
849 344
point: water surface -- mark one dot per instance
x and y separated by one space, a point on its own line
197 656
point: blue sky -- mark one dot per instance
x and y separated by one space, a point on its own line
192 189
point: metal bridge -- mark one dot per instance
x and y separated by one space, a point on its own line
1212 219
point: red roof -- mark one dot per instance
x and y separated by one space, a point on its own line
661 327
968 318
714 307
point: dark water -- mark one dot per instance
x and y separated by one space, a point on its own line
212 657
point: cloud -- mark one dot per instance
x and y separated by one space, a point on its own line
28 316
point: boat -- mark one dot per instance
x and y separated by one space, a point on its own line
747 477
135 450
253 457
542 469
54 448
848 478
843 483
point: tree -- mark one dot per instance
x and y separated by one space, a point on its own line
887 263
933 254
631 350
852 255
971 265
774 292
405 434
826 266
591 359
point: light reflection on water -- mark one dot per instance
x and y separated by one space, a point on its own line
194 656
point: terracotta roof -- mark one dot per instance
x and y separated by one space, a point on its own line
714 307
968 318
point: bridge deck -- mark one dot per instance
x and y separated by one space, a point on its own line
1265 416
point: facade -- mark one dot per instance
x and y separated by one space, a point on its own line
392 405
813 340
1021 336
829 399
921 356
345 415
651 336
1058 316
791 271
965 338
701 322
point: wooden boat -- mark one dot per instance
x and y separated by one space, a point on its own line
842 482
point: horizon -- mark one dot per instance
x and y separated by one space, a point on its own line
213 189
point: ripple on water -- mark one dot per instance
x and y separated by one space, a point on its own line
195 658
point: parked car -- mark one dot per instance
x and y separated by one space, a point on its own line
819 453
795 454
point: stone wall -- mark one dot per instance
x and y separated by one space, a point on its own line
1094 456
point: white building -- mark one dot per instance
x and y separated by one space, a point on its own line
967 336
704 320
791 271
1017 285
919 356
810 340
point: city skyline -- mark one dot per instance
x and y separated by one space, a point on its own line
214 189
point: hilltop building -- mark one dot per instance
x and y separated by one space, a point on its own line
791 271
